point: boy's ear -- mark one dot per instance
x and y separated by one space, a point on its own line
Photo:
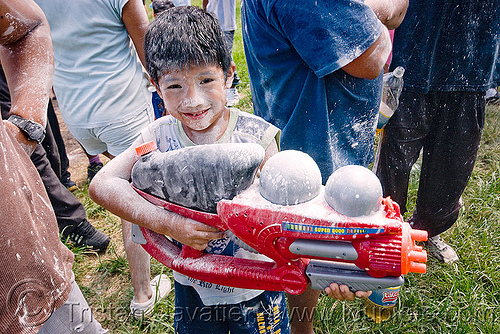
230 75
156 87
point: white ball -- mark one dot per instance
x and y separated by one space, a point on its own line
353 191
290 177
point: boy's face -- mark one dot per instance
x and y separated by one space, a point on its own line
196 96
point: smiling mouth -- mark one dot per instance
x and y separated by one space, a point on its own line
197 115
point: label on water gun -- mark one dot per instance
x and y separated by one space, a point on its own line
386 297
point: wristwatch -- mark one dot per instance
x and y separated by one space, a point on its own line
33 130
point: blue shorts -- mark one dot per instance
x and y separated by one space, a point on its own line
114 137
266 313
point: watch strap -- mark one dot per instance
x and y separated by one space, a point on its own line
33 130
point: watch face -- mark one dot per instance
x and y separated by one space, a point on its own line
35 131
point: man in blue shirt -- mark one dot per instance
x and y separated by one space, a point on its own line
450 52
307 76
309 62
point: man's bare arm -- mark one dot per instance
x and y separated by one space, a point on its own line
27 59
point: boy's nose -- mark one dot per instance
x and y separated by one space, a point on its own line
192 97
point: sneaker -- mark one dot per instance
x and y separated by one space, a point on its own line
92 170
87 235
232 97
69 184
493 96
440 250
161 287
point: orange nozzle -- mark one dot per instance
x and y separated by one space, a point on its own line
413 257
145 148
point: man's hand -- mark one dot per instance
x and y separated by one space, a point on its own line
342 292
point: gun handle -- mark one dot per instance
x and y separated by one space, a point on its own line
190 252
322 273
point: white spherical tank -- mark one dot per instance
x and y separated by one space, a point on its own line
290 177
354 191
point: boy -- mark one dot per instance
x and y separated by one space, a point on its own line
189 61
190 64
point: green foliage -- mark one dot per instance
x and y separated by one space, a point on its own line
459 298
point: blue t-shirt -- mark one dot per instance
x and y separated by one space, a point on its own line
295 51
449 45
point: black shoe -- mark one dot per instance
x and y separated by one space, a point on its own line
87 235
92 170
69 184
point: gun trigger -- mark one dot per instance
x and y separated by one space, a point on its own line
137 235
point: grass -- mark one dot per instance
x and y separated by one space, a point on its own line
458 298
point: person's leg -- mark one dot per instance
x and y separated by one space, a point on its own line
69 211
139 263
400 146
449 155
95 165
62 156
91 145
233 96
50 146
301 308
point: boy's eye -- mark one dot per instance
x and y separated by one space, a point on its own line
174 87
207 80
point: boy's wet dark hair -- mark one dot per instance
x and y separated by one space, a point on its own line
185 36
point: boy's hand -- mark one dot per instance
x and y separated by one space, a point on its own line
342 292
192 233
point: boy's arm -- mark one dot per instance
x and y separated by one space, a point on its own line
111 189
136 21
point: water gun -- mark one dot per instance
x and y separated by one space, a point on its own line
305 240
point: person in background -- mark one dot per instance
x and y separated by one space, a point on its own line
38 293
317 75
225 10
70 213
104 98
450 52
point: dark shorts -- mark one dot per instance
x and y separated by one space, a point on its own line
266 313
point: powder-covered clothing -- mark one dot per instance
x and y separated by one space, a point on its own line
242 128
449 45
295 51
450 50
36 275
98 78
